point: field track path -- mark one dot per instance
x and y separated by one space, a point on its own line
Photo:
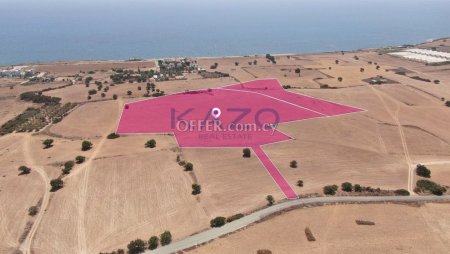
25 247
83 187
395 117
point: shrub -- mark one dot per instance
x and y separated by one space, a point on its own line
235 217
188 166
196 189
263 251
137 246
153 242
33 210
423 171
56 184
365 222
437 81
401 192
447 103
129 93
340 79
270 200
300 183
166 238
86 145
80 159
330 189
113 136
217 222
246 153
24 170
150 143
92 92
309 235
47 143
115 96
293 164
427 185
358 188
347 187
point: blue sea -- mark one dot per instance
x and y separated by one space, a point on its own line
57 30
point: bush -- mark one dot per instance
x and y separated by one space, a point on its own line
115 96
153 242
80 159
129 93
270 200
309 235
47 143
246 153
24 170
112 136
188 166
56 184
427 185
347 187
293 164
330 189
92 92
340 79
423 171
33 210
151 143
235 217
217 222
300 183
69 164
166 238
196 189
358 188
401 192
447 103
137 246
86 145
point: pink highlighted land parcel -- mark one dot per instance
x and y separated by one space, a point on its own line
250 113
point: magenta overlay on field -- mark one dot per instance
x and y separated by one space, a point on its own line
249 115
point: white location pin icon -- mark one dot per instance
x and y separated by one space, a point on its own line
215 112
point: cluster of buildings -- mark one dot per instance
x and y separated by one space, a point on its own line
177 65
424 56
17 72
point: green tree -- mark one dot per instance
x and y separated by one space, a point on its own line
24 170
347 187
92 92
217 222
188 166
330 189
56 184
270 200
86 145
80 159
150 143
137 246
166 238
423 171
47 143
358 188
153 242
300 183
293 164
113 135
196 189
401 192
246 153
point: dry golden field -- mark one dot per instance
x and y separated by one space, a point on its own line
125 191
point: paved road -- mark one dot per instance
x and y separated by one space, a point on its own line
214 233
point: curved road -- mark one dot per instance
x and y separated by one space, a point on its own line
214 233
